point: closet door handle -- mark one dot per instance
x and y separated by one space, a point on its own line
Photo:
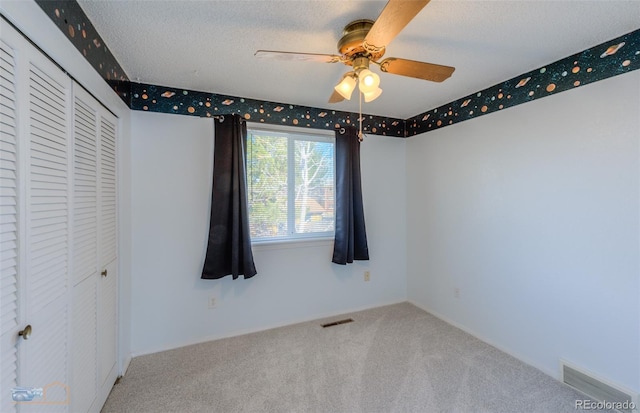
104 273
26 333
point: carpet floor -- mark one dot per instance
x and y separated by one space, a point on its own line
396 358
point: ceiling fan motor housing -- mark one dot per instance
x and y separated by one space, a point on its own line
351 42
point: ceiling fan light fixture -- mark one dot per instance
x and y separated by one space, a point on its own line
369 81
364 42
373 95
346 87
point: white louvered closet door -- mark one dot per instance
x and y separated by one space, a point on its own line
84 320
45 359
58 231
9 246
94 323
34 204
107 305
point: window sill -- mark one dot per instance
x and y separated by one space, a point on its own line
291 243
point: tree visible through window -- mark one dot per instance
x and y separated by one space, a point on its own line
291 185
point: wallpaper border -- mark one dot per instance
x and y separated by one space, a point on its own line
611 58
72 21
608 59
164 99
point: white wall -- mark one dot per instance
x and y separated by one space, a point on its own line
532 213
172 167
29 18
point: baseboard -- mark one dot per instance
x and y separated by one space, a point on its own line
237 333
557 375
125 365
104 390
467 330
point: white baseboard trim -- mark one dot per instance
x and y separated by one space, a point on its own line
553 374
236 333
125 365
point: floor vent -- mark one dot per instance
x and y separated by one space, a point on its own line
610 397
337 323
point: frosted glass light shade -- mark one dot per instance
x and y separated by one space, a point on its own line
373 95
369 81
346 86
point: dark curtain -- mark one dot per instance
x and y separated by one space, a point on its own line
229 246
351 238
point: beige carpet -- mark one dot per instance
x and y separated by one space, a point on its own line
396 358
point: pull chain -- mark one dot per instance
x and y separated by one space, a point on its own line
360 118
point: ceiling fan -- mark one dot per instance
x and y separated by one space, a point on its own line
363 42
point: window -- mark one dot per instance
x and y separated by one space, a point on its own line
291 184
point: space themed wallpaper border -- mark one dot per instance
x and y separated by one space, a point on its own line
615 57
188 102
74 23
611 58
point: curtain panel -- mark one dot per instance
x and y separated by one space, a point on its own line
229 245
350 237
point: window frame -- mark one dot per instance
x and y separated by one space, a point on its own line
293 134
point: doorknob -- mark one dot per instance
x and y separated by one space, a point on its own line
104 273
26 333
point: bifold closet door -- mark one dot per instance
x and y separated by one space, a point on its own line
94 281
107 302
35 205
44 358
58 232
84 320
9 242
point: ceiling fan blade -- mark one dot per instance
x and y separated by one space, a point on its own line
311 57
394 17
335 97
419 70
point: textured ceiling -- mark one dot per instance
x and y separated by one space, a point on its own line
209 45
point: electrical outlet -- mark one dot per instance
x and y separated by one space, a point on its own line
367 275
213 302
456 292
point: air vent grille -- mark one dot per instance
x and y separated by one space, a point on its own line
337 323
611 397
